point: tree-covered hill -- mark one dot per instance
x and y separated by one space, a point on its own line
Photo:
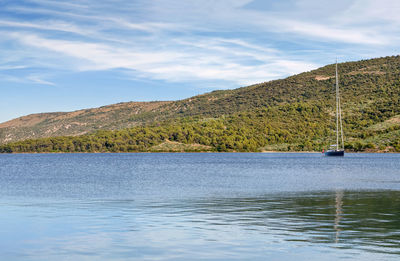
295 113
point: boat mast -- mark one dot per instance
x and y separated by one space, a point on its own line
338 113
340 119
337 109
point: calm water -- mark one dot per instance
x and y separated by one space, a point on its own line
255 206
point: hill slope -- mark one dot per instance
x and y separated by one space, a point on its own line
289 114
116 116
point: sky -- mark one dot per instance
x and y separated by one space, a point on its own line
69 55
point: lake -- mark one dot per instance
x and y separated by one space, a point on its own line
199 206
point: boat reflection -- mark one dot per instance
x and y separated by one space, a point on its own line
338 215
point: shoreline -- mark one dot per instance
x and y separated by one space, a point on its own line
120 152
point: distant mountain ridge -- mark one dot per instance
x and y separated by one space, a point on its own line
75 123
370 95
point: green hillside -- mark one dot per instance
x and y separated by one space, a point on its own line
293 114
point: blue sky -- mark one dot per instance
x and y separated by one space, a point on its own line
68 55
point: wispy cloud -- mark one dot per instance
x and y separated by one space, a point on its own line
187 41
59 4
184 60
329 33
48 25
39 80
11 67
27 79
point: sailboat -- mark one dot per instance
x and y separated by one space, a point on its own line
338 148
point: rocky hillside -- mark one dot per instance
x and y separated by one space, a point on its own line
116 116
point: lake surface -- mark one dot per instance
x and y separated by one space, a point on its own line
199 206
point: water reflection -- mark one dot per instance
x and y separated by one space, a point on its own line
293 226
338 215
350 220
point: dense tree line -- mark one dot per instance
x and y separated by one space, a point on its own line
303 127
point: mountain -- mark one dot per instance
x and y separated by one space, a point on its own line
295 113
116 116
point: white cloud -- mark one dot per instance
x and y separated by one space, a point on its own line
59 4
12 67
209 59
39 80
371 11
233 16
48 25
327 33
